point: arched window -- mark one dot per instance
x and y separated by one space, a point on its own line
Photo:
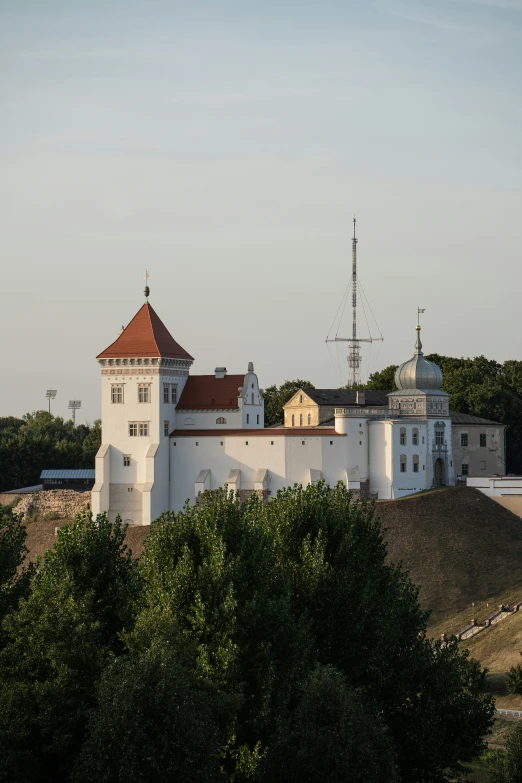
403 463
189 421
221 420
300 419
403 437
293 419
309 418
415 463
252 398
415 437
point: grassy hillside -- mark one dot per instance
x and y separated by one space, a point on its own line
459 547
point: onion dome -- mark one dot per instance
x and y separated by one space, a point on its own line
418 373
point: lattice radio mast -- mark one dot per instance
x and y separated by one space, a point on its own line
354 351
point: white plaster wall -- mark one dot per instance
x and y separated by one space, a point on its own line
381 458
115 431
288 461
409 482
206 420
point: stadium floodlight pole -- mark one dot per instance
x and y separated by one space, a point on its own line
50 394
73 406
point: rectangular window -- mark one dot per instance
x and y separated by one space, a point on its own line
415 438
403 467
174 393
143 429
166 427
117 393
129 489
463 438
126 460
415 467
258 418
439 437
483 439
248 418
465 469
133 430
166 392
403 438
144 392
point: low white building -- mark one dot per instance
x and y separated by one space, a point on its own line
169 435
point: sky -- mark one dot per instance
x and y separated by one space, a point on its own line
225 145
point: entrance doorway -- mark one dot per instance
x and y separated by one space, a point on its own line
439 468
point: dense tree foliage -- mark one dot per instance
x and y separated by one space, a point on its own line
248 643
41 441
507 766
481 387
277 396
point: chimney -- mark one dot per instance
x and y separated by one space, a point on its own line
220 372
360 397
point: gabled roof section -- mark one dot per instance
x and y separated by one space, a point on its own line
147 336
206 392
346 397
467 418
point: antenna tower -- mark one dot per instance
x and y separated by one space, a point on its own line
354 342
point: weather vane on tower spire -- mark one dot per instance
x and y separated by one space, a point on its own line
146 290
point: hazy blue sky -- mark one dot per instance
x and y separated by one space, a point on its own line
226 146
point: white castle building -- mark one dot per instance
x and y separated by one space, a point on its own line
169 435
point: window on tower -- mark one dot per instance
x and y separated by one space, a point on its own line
117 393
144 392
166 427
174 393
403 436
166 392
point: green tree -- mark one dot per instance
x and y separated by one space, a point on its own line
82 597
383 380
266 593
330 737
508 768
154 720
13 580
276 397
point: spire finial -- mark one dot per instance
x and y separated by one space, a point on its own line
146 290
354 221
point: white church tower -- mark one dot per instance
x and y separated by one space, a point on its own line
143 375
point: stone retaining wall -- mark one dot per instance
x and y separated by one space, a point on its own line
61 503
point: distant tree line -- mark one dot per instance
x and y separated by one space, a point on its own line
248 644
480 387
40 441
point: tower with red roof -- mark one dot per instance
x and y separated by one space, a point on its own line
143 373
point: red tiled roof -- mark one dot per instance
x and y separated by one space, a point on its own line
267 432
206 392
146 335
